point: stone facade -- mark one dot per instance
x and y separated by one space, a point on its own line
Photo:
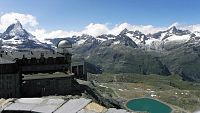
79 70
9 80
44 85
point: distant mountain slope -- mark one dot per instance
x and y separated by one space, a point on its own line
167 52
172 51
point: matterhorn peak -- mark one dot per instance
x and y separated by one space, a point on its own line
17 24
124 31
16 37
16 27
173 29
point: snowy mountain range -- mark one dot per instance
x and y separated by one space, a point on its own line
159 41
172 51
15 37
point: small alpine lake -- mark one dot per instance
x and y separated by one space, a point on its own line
148 105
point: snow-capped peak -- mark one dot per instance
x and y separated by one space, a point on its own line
173 29
15 29
124 31
15 26
16 36
18 25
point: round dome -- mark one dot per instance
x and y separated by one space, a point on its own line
64 44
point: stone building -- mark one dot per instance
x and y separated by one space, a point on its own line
31 73
79 70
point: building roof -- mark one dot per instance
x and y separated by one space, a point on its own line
34 54
40 105
46 76
73 105
6 61
56 105
78 63
10 57
20 107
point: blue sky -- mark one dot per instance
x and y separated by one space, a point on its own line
76 14
61 18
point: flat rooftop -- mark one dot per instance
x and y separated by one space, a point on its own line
6 61
56 105
10 57
46 76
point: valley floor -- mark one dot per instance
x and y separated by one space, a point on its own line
180 95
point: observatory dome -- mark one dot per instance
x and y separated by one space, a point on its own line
64 44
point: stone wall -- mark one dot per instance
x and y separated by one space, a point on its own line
9 85
46 87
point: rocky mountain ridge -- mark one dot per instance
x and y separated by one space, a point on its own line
172 51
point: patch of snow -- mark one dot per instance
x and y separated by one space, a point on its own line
116 42
9 47
81 41
134 38
151 40
178 38
197 33
152 95
129 35
163 36
13 41
120 89
111 38
103 86
101 39
148 89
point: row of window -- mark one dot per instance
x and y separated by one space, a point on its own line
56 83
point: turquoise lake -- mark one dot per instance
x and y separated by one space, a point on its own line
148 105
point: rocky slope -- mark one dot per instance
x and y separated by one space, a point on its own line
172 51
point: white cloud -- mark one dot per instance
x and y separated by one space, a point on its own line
91 29
42 34
192 27
95 29
176 24
143 28
27 20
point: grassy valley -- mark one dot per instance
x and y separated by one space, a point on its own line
181 95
